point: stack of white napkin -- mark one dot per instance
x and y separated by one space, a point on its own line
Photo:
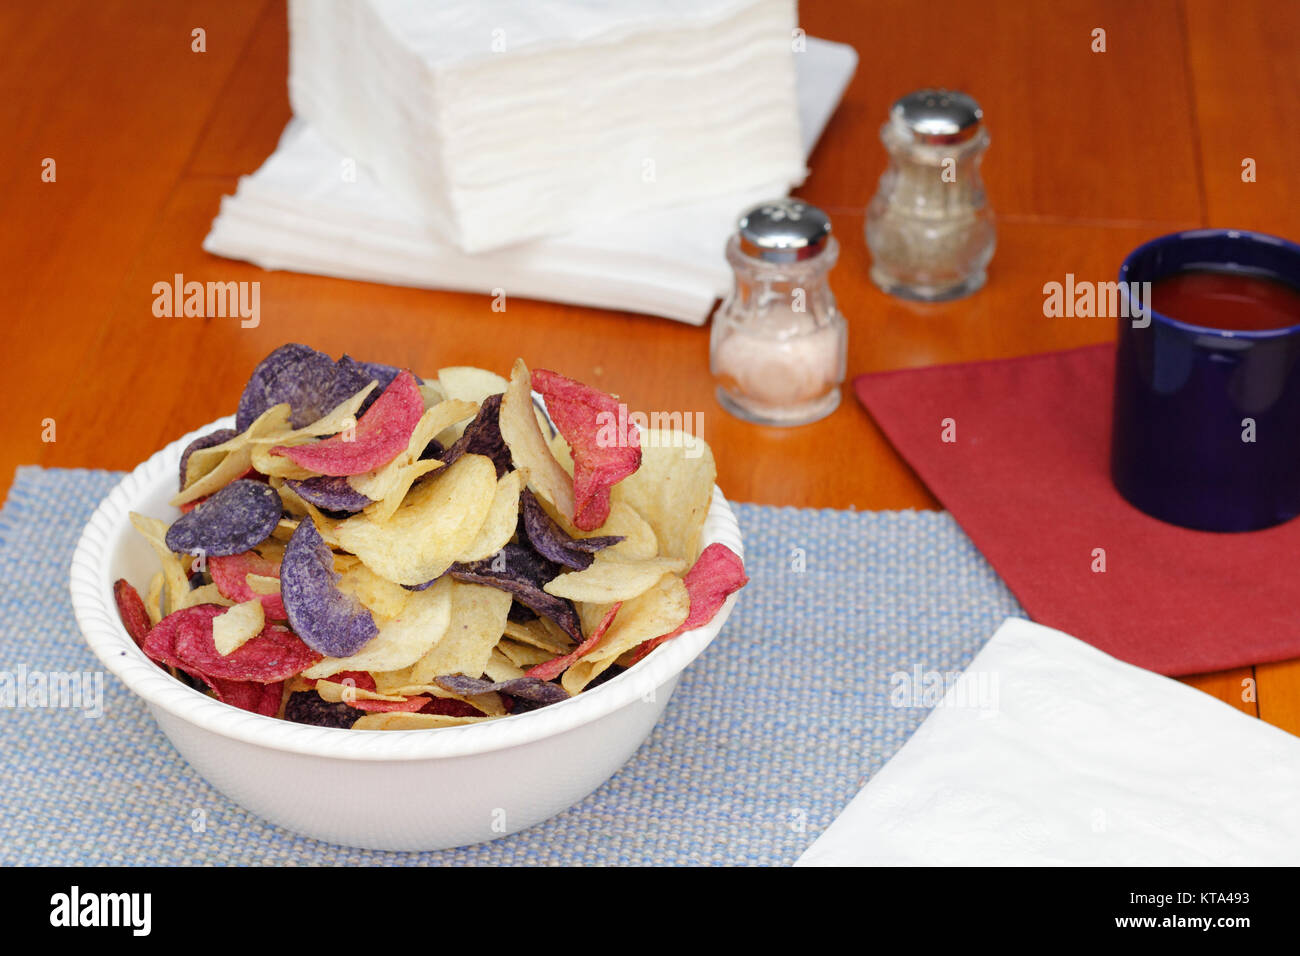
311 208
505 121
1049 751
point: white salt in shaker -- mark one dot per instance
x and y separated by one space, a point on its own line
929 226
779 343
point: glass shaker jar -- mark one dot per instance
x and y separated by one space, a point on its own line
778 345
929 226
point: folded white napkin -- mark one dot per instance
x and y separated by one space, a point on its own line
1048 751
512 120
311 209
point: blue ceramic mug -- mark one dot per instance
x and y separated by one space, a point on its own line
1206 429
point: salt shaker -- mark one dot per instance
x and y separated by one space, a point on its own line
778 345
929 226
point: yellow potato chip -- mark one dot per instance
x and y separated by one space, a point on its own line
499 667
401 641
177 583
153 601
392 682
336 692
221 464
276 466
672 490
239 625
404 477
528 446
656 612
501 521
436 522
207 594
523 655
381 596
639 541
536 634
262 584
478 617
401 721
295 504
611 579
336 420
469 383
432 394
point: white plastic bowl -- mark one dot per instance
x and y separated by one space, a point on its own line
383 790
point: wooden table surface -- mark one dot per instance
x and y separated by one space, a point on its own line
1093 152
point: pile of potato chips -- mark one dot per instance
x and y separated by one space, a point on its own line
369 550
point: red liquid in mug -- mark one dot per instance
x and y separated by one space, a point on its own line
1240 302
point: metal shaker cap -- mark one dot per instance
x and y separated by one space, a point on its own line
783 230
937 117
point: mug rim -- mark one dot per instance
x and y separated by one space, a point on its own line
1244 235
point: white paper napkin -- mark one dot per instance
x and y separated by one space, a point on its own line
1048 751
308 209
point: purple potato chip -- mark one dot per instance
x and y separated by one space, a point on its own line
329 492
307 707
483 437
204 441
530 689
432 450
234 519
553 542
522 572
521 613
328 621
311 382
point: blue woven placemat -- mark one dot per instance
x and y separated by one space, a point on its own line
770 733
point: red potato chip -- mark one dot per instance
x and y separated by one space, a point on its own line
131 607
183 639
362 680
411 705
606 448
549 670
248 695
381 435
716 574
230 575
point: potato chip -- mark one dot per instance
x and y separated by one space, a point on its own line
153 601
254 696
536 634
233 574
612 579
528 446
300 377
401 641
523 573
378 485
330 493
230 460
715 575
334 691
380 435
263 585
478 617
306 707
499 667
522 655
526 688
501 521
437 521
131 609
184 640
233 520
404 478
657 611
177 583
218 437
206 594
672 490
381 596
482 436
412 721
407 705
239 625
604 446
333 623
553 542
549 670
470 384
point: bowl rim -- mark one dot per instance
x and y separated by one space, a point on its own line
91 588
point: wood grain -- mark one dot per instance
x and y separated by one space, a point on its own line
1092 153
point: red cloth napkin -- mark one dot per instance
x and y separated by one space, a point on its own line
1028 478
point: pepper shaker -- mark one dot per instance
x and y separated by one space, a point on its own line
929 226
779 343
